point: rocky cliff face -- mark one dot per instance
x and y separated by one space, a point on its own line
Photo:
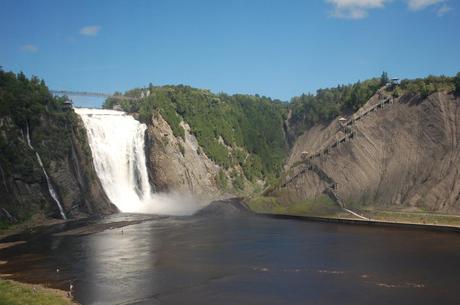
62 145
405 155
179 165
76 178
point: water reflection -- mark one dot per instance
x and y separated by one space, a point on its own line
123 259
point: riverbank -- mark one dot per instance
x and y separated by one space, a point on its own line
16 293
324 210
36 221
395 224
76 227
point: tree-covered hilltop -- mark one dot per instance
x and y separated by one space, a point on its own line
27 102
23 99
327 104
429 85
232 130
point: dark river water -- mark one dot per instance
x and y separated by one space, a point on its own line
243 260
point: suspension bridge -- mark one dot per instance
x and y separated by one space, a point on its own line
94 94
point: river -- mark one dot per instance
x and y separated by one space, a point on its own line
241 260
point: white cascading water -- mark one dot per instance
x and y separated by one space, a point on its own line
117 145
48 181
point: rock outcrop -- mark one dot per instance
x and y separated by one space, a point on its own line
177 164
405 155
232 207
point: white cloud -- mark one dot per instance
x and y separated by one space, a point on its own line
355 9
444 9
29 48
416 5
90 30
358 9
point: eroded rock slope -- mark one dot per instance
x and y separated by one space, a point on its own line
405 155
179 165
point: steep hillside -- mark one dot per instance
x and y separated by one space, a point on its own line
401 152
33 122
201 141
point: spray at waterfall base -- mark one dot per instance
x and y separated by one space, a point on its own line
118 148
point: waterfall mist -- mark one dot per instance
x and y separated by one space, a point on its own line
117 144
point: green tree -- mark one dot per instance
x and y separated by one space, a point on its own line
384 79
25 100
457 84
328 103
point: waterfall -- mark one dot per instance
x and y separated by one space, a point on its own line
117 145
48 181
28 136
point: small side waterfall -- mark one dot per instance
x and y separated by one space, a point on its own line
117 145
48 181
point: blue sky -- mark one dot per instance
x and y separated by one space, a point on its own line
276 48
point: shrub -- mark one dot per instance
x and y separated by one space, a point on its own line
221 180
182 149
238 182
427 86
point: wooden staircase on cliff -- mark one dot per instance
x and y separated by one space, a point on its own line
348 128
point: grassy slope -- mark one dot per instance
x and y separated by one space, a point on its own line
413 217
322 207
325 207
15 293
